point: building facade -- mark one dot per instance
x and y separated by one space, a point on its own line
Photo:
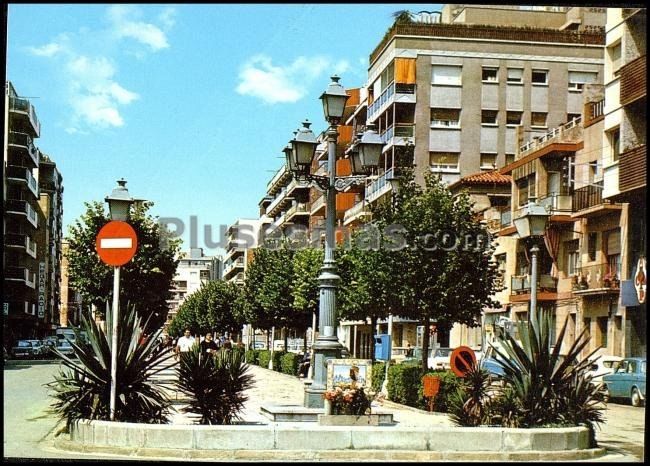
70 299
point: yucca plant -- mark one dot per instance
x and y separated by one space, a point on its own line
550 388
83 391
469 404
215 384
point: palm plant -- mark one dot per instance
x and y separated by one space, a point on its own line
215 384
549 387
469 404
83 391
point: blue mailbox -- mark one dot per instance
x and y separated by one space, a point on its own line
382 347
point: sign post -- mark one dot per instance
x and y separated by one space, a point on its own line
116 244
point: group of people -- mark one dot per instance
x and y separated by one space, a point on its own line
207 343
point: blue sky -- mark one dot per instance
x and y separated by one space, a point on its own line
191 104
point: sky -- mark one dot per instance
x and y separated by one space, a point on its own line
191 104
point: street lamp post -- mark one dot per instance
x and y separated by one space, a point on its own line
299 157
532 224
119 203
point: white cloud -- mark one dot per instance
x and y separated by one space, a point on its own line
98 110
277 84
167 17
149 34
47 50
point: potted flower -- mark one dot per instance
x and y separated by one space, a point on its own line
346 399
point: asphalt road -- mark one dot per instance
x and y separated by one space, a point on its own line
27 421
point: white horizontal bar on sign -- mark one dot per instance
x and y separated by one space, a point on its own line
116 243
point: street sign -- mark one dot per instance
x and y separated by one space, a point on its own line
461 360
116 243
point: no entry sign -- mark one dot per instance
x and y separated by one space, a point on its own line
116 243
461 360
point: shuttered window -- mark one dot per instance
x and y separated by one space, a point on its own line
577 79
405 70
613 242
446 75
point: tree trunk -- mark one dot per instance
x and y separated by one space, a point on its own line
286 339
373 325
425 344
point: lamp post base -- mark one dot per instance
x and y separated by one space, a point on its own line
323 351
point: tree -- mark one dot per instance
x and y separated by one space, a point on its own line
307 264
403 16
144 282
213 307
445 269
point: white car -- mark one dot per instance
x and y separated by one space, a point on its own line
441 358
603 365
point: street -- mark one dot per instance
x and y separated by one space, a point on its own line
27 422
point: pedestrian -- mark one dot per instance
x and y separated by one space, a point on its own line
208 345
185 343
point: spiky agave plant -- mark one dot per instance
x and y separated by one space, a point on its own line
468 406
83 391
215 384
545 382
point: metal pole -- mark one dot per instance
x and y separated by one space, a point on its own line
533 286
310 371
384 387
115 317
327 345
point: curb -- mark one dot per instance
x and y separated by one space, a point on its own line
31 362
392 404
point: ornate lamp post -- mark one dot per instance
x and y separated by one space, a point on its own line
299 158
532 224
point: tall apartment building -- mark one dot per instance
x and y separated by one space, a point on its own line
243 238
193 271
286 202
31 254
70 299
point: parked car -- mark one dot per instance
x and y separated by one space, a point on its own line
628 381
29 349
601 366
441 358
64 347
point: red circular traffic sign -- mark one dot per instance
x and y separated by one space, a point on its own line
116 243
461 360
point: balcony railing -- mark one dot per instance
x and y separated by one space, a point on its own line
300 207
24 208
632 168
21 241
24 106
520 284
318 204
557 204
633 80
594 111
295 184
23 174
555 135
276 178
21 274
595 277
25 141
355 211
387 94
398 131
380 186
587 197
281 197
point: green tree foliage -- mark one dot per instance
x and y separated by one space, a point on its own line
213 307
144 282
440 255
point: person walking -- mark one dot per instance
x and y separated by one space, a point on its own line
184 343
208 345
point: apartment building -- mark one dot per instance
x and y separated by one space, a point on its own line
286 203
70 306
31 223
243 238
193 271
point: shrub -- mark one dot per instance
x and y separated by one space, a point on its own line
263 358
404 380
277 360
84 391
468 405
252 356
449 383
378 374
289 363
215 384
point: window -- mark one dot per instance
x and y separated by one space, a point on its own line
510 158
489 117
444 161
612 240
614 53
595 174
501 262
522 263
490 74
572 116
515 76
513 118
488 161
540 77
445 117
577 79
573 257
602 331
591 245
614 137
526 188
446 75
538 119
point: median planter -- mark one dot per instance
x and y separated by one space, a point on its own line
355 420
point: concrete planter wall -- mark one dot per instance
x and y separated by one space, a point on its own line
177 440
354 420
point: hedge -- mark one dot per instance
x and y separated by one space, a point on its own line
263 358
252 356
378 374
449 382
404 383
289 363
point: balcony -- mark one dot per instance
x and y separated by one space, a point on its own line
632 169
236 264
22 175
557 204
594 112
21 274
278 180
278 222
357 212
588 202
295 184
398 135
633 80
404 93
561 134
17 207
520 288
318 206
239 278
24 107
24 142
380 186
595 280
300 208
21 241
278 202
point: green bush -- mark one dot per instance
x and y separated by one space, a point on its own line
277 360
378 374
252 356
449 384
263 358
289 364
404 384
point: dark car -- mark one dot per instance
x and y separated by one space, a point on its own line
628 381
64 347
28 349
